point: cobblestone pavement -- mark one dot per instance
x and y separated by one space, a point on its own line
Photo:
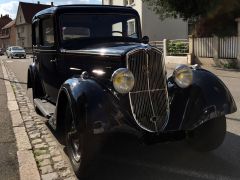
50 161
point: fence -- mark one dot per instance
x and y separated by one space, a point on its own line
158 44
228 47
176 47
209 47
203 47
174 51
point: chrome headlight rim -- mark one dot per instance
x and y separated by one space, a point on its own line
183 76
123 80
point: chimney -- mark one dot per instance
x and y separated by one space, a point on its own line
1 15
38 2
52 4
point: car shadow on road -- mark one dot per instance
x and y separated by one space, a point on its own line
126 158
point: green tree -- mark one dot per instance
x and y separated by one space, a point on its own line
211 17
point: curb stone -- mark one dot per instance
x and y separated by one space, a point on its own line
24 153
33 136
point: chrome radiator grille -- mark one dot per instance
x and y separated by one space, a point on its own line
149 97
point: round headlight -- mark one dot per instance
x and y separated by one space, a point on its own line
183 76
123 80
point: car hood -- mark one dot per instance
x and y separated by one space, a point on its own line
111 49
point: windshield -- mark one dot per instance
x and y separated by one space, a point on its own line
98 26
17 48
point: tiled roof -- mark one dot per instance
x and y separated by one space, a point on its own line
30 9
9 25
4 20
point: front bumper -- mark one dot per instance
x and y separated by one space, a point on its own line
19 55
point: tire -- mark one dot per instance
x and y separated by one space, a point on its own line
209 135
82 147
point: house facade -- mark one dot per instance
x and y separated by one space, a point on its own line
8 35
152 26
25 13
4 20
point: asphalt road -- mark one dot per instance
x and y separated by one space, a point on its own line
8 149
128 159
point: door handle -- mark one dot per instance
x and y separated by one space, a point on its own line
53 60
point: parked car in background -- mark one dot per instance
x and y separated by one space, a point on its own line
94 74
1 51
15 52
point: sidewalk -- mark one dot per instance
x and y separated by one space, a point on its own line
38 153
8 150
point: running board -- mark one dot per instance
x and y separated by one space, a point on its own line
45 107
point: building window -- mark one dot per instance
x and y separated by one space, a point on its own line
132 28
129 2
22 29
47 32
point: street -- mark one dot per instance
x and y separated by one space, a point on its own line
128 159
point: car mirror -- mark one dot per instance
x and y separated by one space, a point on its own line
145 39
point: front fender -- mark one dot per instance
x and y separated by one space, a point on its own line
207 98
100 111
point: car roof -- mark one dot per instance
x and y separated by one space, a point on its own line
76 8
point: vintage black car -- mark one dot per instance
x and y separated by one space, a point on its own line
93 73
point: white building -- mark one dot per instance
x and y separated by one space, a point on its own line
152 26
25 13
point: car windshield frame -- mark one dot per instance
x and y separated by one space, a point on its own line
89 39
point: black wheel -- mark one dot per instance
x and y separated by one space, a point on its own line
209 135
82 147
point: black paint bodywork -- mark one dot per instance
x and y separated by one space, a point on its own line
94 103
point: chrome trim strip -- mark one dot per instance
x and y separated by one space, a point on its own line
45 50
149 93
153 90
88 53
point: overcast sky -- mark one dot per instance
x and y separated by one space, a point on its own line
10 6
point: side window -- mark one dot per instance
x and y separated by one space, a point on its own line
35 33
47 34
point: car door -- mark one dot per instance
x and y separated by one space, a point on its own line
47 55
